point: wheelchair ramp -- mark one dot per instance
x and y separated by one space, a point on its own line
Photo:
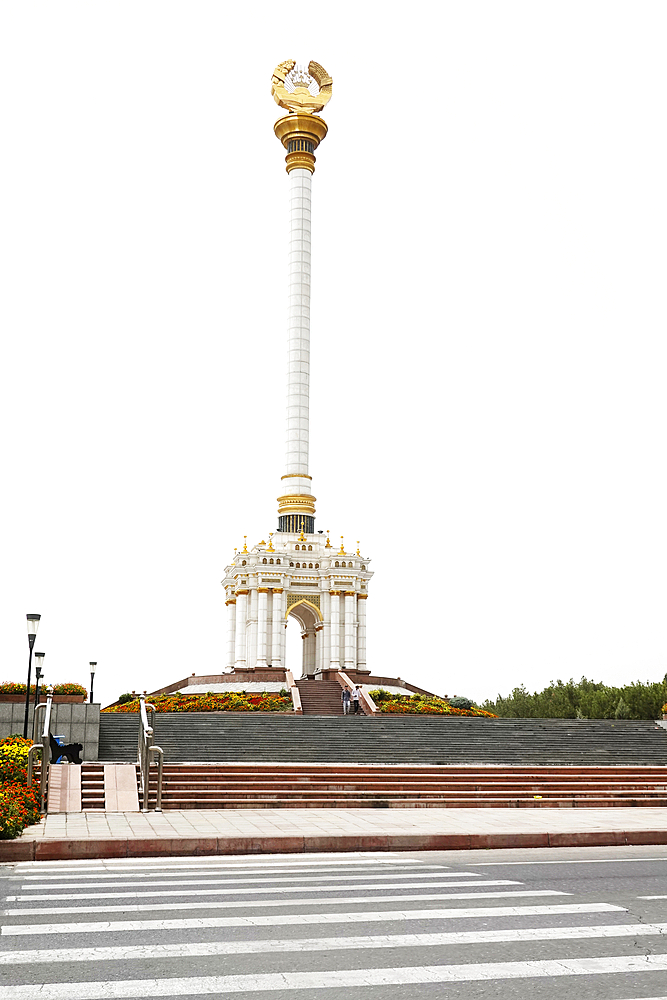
120 788
64 788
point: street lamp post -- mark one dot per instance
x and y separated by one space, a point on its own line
33 624
92 665
38 673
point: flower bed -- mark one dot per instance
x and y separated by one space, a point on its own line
419 704
19 804
15 691
235 701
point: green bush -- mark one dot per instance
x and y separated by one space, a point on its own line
459 702
124 698
583 699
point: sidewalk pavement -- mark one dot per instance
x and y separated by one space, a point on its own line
271 831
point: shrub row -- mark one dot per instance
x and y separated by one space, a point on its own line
13 687
19 804
420 704
584 699
236 701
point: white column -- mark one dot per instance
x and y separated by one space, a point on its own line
269 628
298 330
335 629
350 638
262 596
241 621
231 633
326 632
361 632
252 630
309 651
278 629
319 648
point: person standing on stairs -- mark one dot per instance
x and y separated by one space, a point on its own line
356 695
345 698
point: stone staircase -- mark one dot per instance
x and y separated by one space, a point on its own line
92 786
229 786
320 697
433 740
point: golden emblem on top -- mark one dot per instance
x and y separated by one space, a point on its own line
292 87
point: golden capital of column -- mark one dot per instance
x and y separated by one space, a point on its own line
302 92
299 503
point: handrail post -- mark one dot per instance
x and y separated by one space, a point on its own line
46 753
144 749
35 721
160 760
31 751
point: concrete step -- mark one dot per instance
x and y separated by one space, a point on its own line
320 698
365 803
92 786
218 786
405 740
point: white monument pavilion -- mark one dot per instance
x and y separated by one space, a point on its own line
298 573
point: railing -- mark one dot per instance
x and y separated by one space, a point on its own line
145 750
367 703
44 746
294 691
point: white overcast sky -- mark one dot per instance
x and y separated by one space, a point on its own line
488 395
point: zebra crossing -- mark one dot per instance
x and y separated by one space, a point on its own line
387 925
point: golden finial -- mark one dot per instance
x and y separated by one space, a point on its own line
328 545
262 542
358 552
270 548
245 545
342 547
302 537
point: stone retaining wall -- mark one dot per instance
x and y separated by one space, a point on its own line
76 723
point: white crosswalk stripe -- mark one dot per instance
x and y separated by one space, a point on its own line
153 951
348 923
247 904
419 975
331 887
250 881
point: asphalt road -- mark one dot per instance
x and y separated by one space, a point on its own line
540 923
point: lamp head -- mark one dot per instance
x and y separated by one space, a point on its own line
33 624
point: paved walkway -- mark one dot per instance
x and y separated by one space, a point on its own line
254 831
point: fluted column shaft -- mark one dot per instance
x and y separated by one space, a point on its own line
262 619
241 620
278 629
231 634
361 632
350 637
252 630
335 630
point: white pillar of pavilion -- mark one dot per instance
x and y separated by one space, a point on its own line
231 634
241 619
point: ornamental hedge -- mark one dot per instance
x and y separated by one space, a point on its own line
235 701
13 687
584 699
421 704
19 804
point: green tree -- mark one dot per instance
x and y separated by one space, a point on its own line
582 699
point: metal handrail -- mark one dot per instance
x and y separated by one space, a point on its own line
294 692
367 703
145 750
45 747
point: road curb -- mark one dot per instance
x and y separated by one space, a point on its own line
118 847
